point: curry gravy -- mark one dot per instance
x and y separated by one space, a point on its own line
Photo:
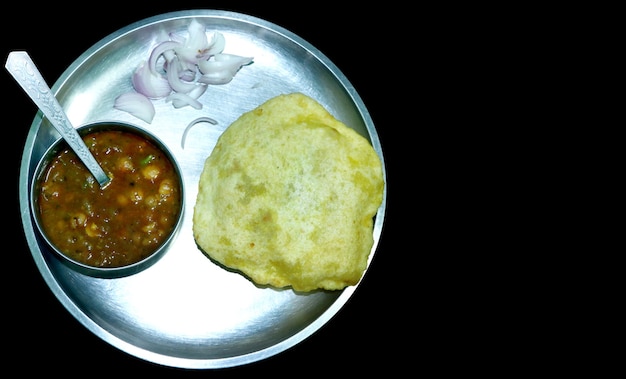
123 222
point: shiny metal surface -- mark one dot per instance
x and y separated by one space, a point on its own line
24 71
185 311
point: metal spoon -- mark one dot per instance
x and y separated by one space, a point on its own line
23 70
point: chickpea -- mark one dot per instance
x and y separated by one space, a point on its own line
148 228
166 187
78 220
125 164
92 230
136 196
150 172
152 201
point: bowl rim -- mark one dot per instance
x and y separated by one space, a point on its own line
106 272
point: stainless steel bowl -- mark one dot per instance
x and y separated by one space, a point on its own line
104 272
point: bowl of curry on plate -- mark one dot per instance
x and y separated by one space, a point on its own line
118 229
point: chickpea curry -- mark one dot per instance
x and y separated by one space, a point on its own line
121 223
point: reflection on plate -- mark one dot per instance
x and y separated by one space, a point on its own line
186 311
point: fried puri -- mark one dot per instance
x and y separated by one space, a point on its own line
288 197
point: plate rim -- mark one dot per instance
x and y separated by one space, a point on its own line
94 327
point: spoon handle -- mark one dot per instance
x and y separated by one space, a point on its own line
24 71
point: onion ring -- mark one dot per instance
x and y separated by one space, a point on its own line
192 123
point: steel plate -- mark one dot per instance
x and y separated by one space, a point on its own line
185 311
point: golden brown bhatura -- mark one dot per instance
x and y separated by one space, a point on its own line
288 197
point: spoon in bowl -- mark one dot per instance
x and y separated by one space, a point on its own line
21 67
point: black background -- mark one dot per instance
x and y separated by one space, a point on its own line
367 334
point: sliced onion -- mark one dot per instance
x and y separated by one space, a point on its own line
137 105
221 69
192 123
189 65
213 66
188 55
217 44
197 38
195 46
198 91
180 100
160 50
173 77
188 74
216 78
149 84
223 62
